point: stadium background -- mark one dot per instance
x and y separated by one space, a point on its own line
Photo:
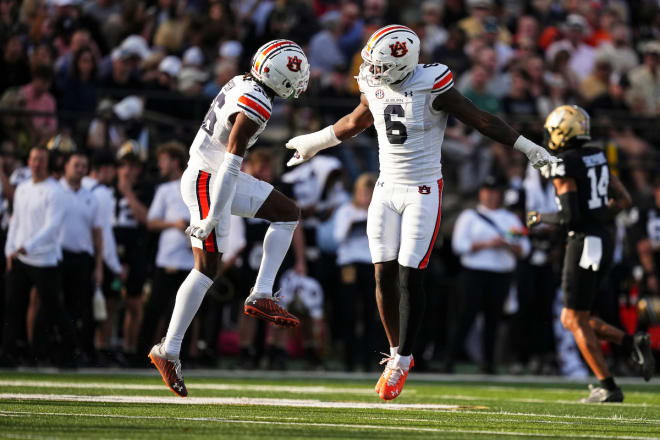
518 59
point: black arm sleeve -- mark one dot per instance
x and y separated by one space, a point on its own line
568 215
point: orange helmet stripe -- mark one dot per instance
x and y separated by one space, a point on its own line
381 32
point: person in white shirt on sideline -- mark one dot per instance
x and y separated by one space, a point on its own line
357 273
168 215
99 182
81 238
489 239
33 252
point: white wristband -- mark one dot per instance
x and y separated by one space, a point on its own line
524 145
307 145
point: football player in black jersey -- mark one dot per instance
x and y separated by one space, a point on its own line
588 196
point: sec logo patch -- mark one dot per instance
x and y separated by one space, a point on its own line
380 94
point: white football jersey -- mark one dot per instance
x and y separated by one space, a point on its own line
410 131
238 95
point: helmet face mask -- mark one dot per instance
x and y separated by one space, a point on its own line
390 55
281 65
565 127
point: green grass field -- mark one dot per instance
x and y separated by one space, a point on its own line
67 406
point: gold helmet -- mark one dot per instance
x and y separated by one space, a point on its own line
62 143
564 124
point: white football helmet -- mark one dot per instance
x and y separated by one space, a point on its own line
282 66
391 53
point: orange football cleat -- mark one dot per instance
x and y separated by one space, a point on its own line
393 379
268 310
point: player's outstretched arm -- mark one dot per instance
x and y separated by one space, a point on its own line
569 212
452 101
352 124
224 186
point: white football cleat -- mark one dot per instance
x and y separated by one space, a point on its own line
202 228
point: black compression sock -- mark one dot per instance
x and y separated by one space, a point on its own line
608 383
627 344
411 307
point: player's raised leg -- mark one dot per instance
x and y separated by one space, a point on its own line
283 213
637 347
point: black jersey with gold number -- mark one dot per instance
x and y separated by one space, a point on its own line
588 167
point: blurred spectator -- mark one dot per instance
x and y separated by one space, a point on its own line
80 38
324 52
474 24
491 39
644 93
477 90
582 56
42 55
99 182
497 84
101 10
78 88
452 53
117 123
351 28
169 216
133 196
217 25
193 57
527 29
169 25
561 69
519 102
81 239
120 80
434 34
13 126
292 19
489 240
224 71
32 251
533 338
13 64
357 276
618 50
597 83
647 236
304 296
39 99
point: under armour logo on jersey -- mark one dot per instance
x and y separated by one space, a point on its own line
294 64
398 49
406 94
423 189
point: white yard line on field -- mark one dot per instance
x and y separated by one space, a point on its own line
531 400
442 430
312 389
305 403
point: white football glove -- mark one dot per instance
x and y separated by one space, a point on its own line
202 228
537 155
307 145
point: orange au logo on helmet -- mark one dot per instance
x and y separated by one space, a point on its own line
294 64
399 49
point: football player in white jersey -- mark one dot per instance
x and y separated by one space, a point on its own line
408 103
213 188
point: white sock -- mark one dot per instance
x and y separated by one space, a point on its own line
276 245
188 299
393 350
402 361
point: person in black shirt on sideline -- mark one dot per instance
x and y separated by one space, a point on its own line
588 195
